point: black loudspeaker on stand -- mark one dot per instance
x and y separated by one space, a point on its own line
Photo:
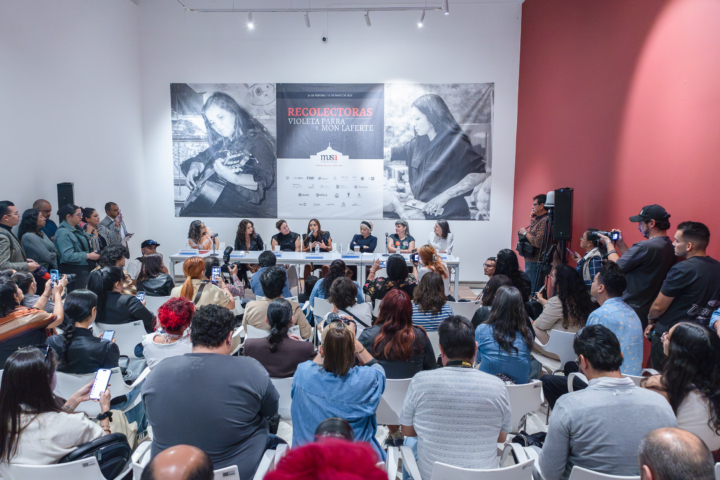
65 194
562 226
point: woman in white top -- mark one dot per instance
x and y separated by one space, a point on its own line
441 238
34 429
430 261
690 380
174 316
196 281
343 297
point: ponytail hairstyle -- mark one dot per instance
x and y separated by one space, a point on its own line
101 282
193 268
433 261
279 317
78 306
66 210
175 315
23 280
8 298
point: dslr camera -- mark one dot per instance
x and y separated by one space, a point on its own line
226 260
595 236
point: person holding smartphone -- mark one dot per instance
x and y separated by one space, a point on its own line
591 263
114 227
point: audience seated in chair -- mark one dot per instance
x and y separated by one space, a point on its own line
114 256
397 277
267 260
194 270
430 306
280 353
674 454
343 298
210 399
114 306
600 427
235 288
435 398
488 297
322 287
308 286
134 266
35 428
181 462
273 281
505 341
154 279
80 352
567 310
333 386
431 262
174 316
31 299
690 381
507 264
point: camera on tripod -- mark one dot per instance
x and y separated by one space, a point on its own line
595 236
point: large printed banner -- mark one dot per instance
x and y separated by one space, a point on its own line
346 151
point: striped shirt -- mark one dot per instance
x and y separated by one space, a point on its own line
428 320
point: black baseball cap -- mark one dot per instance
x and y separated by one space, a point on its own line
149 243
651 212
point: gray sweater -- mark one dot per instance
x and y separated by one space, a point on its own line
600 428
41 249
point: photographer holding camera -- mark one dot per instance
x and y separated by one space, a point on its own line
646 263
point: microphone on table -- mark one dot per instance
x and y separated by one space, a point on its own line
387 235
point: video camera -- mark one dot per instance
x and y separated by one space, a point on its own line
595 236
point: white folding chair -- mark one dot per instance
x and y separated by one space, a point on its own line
717 471
466 309
561 344
391 403
84 469
435 342
293 299
284 388
140 459
269 461
392 460
254 332
572 376
637 379
579 473
154 303
237 340
127 335
293 280
376 307
524 399
238 310
227 473
68 384
322 307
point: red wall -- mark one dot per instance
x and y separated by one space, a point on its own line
621 101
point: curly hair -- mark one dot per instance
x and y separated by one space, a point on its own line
175 314
28 224
507 264
573 294
240 234
195 231
211 325
429 295
111 255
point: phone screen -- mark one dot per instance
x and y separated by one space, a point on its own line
102 378
141 296
215 274
383 264
54 277
108 335
615 236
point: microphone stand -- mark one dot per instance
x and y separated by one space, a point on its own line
213 253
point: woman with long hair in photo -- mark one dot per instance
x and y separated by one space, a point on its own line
443 167
235 176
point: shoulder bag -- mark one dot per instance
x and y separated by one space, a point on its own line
112 452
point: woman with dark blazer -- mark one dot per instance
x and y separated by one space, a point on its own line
153 278
114 307
80 352
248 240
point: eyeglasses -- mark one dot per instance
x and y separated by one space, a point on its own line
488 265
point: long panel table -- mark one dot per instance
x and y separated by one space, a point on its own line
359 260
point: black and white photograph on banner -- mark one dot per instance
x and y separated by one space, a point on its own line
438 151
224 150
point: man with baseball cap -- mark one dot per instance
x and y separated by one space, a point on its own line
133 268
646 263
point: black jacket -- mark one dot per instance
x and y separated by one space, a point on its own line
159 286
121 308
86 352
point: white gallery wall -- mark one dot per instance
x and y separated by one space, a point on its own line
85 95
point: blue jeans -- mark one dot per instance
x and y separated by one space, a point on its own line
531 268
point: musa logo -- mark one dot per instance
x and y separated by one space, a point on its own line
328 158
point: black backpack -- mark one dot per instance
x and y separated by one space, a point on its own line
112 452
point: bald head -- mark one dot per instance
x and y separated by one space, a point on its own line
39 204
181 462
674 454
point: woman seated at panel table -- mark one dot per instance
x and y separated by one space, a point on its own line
401 241
315 237
200 236
248 240
441 238
287 240
364 241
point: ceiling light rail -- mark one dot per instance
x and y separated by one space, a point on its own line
443 8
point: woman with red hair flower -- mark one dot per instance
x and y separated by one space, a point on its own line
174 316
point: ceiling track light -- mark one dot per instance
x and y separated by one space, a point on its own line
307 19
422 19
250 20
446 7
367 19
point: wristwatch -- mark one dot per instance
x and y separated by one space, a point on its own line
103 416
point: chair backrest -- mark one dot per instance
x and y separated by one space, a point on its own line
254 332
84 469
137 470
376 307
154 303
521 471
435 342
636 379
579 473
293 280
284 387
127 335
717 471
466 309
523 400
391 403
561 344
227 473
68 384
322 307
